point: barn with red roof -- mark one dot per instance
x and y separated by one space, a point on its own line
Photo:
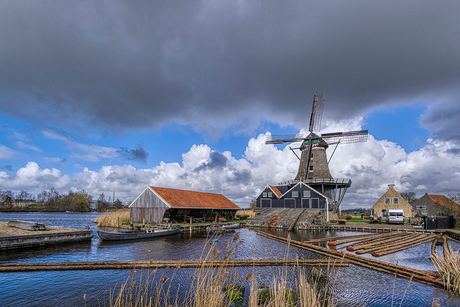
156 205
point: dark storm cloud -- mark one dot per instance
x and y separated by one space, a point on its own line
443 118
7 167
216 160
137 154
142 64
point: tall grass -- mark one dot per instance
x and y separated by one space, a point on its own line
208 284
448 267
109 219
249 212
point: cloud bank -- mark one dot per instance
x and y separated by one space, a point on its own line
371 166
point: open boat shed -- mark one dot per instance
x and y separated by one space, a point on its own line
157 205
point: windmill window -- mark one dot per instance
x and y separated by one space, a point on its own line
387 201
295 193
306 193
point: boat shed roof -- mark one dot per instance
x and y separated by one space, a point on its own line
194 200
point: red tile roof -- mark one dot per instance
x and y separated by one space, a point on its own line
445 202
190 199
276 191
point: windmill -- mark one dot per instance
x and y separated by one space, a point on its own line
313 166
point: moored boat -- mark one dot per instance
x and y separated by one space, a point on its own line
136 234
231 226
215 227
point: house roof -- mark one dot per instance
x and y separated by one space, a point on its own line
276 191
445 202
191 199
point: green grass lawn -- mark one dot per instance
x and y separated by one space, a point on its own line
357 219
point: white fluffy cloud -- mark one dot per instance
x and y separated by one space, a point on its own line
371 166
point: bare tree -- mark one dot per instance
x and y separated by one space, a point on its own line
409 197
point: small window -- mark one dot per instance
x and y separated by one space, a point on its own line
421 207
387 201
395 200
269 194
311 168
306 193
295 193
264 194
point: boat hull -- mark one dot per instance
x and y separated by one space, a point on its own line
135 235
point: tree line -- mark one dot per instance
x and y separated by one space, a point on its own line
50 200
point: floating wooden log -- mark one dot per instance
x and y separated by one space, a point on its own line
312 241
359 238
384 241
120 265
26 225
425 277
375 238
397 243
392 250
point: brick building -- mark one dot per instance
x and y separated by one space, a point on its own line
392 200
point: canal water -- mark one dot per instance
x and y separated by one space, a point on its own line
352 286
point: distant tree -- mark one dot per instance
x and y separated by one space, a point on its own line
102 204
409 196
7 199
81 202
253 204
118 204
454 198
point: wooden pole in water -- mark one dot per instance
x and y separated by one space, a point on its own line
151 264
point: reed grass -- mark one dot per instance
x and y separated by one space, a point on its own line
109 219
207 285
249 212
448 268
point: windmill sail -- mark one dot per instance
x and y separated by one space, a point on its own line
316 114
345 137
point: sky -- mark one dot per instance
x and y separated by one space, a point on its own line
112 96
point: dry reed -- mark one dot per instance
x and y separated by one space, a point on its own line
109 219
448 267
249 212
206 288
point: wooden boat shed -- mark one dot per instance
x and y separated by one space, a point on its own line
157 205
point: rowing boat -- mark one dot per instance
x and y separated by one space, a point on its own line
124 234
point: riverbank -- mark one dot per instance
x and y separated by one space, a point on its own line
6 231
16 238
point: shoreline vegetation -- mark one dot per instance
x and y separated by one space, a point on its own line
224 287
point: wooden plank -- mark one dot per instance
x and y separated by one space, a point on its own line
26 225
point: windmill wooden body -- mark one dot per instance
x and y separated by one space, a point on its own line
314 166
